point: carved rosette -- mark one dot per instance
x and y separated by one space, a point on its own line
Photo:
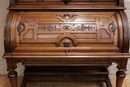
20 27
112 27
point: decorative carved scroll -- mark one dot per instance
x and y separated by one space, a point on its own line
21 27
66 17
112 27
67 27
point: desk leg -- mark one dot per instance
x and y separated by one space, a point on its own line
120 78
12 75
121 73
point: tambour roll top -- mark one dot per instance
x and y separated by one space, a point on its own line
72 27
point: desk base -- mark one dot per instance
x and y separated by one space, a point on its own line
65 74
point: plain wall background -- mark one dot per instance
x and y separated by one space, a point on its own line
3 12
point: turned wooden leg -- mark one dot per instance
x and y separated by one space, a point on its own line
120 78
12 75
108 83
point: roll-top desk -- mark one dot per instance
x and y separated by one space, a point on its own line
66 40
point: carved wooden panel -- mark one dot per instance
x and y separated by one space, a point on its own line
84 28
67 29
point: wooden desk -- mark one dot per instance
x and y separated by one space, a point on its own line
68 34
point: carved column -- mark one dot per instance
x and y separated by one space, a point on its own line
12 75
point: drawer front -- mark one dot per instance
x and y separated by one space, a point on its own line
75 31
70 0
62 2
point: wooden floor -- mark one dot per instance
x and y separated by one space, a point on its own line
4 82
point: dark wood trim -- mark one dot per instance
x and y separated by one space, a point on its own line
125 31
7 36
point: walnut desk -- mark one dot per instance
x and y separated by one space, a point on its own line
66 40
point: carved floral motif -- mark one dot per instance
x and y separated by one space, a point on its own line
67 27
